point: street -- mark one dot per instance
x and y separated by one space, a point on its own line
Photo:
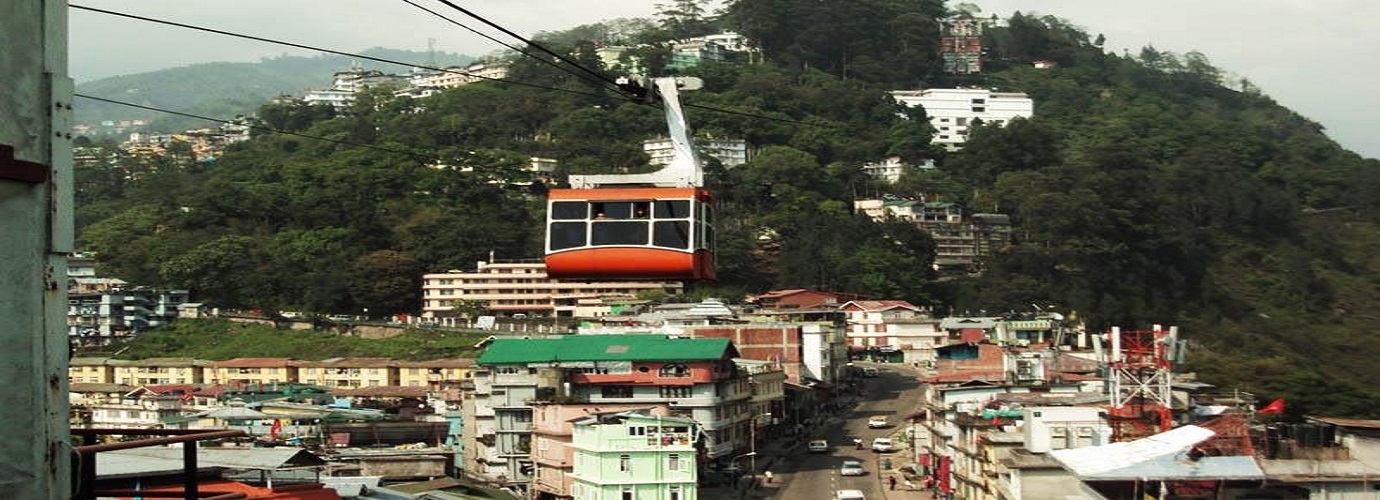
894 393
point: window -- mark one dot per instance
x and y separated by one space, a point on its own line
625 463
676 370
675 492
637 431
979 109
616 391
675 392
673 461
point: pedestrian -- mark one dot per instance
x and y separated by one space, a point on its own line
891 480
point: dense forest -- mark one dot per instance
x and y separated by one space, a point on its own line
1146 189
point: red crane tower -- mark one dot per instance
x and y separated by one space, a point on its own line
1140 368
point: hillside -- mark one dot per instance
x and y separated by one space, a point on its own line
224 90
1143 192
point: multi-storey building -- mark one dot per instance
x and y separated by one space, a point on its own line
696 378
92 370
892 330
513 288
953 112
348 372
634 455
553 455
154 371
99 318
960 44
961 240
251 371
730 152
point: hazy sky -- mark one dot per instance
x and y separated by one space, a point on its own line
1312 56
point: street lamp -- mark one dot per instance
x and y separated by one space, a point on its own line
753 443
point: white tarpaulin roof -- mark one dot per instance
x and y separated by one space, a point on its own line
1158 457
1091 460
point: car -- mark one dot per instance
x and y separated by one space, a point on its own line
882 445
817 446
852 468
878 422
849 495
869 371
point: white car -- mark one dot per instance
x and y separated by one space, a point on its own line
878 422
883 445
817 446
852 468
850 495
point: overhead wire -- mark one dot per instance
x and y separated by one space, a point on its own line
322 49
553 64
416 154
600 76
530 43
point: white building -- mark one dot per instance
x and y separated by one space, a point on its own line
953 112
515 288
730 152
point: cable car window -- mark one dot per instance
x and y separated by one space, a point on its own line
568 210
567 235
620 209
708 211
671 234
617 232
672 209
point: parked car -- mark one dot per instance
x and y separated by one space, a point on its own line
850 495
869 371
883 445
878 422
852 468
817 446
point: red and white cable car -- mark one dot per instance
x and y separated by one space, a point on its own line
652 226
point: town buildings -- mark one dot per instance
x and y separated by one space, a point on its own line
729 152
954 111
698 379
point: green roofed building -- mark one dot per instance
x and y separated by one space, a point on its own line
594 348
693 378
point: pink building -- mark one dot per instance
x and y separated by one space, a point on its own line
552 455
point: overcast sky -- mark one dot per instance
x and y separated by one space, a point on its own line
1312 56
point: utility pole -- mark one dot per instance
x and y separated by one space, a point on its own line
36 219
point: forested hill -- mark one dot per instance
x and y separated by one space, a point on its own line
225 89
1145 190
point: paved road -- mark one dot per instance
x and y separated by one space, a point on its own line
894 393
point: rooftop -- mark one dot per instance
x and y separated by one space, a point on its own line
626 347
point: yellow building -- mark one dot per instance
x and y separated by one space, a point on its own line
249 371
91 371
348 372
155 371
434 373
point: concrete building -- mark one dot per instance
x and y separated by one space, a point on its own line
513 288
730 152
251 371
695 378
962 240
154 371
348 372
553 454
99 318
953 112
893 331
634 455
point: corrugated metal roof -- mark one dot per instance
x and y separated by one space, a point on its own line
605 348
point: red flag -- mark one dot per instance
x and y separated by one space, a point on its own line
277 428
1276 406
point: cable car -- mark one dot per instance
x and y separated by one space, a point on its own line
652 226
